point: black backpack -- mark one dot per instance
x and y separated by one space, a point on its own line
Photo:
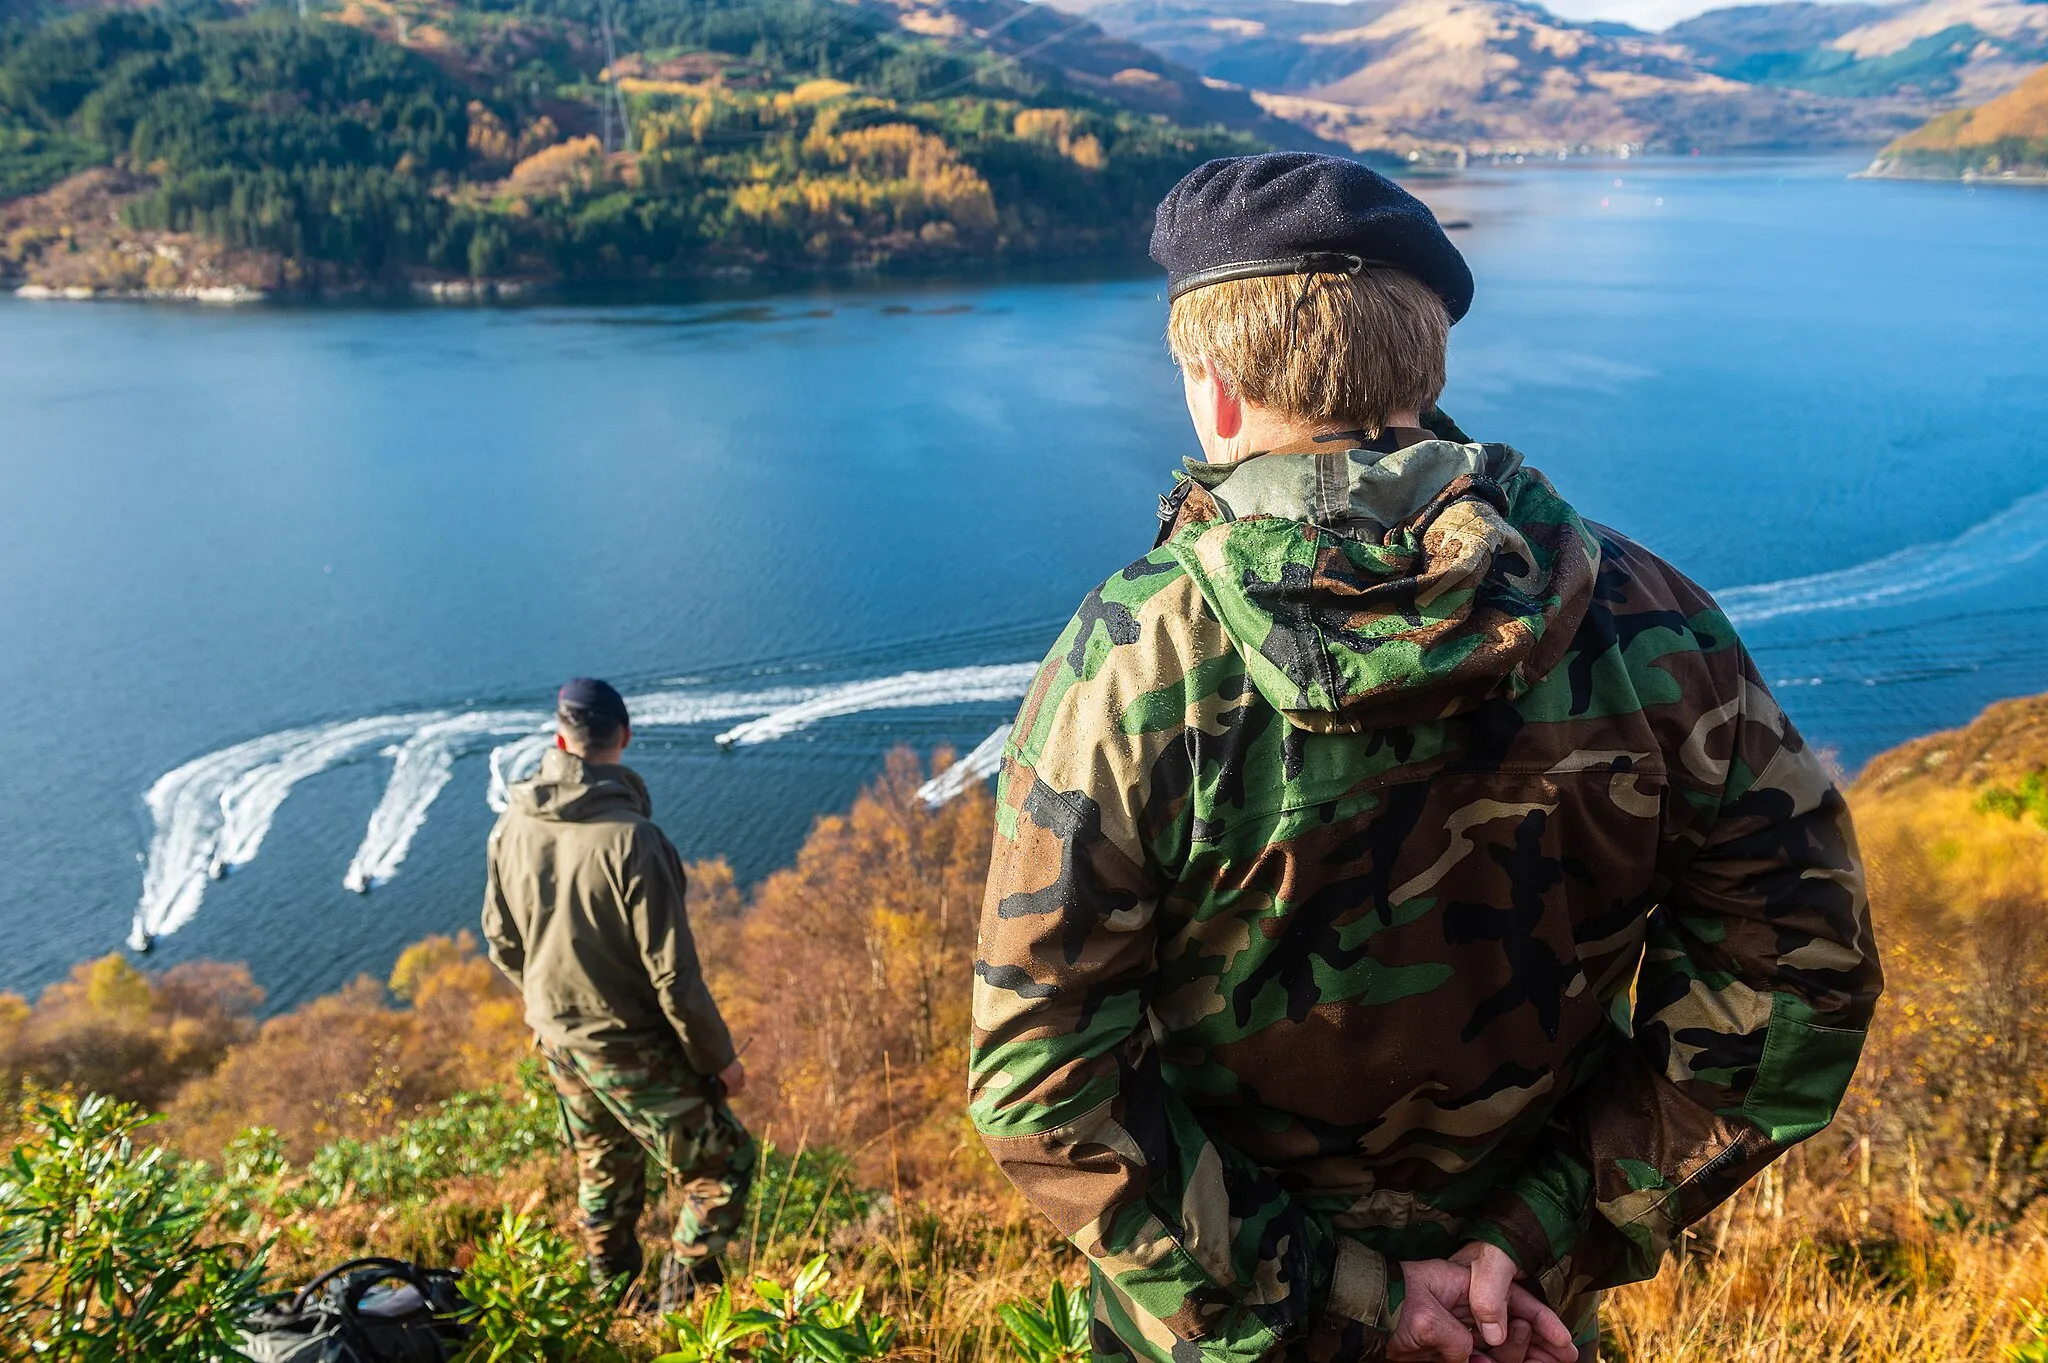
363 1311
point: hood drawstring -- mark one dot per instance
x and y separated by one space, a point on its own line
1169 509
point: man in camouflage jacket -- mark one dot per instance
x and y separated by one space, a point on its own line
1397 876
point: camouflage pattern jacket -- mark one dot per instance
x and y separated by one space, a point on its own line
1392 859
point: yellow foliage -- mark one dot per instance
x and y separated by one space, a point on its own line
850 976
109 1028
1044 125
818 91
652 85
349 1064
878 180
1055 127
576 164
489 138
114 986
424 959
540 133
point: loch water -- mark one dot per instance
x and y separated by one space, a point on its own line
300 572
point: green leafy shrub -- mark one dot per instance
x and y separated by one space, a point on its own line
798 1322
2030 798
531 1298
1054 1333
470 1134
101 1255
717 1333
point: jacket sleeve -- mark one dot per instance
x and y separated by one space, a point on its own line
1193 1240
654 895
1758 979
501 933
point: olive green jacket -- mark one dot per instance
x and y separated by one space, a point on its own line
583 911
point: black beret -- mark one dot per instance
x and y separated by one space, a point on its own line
1293 212
598 697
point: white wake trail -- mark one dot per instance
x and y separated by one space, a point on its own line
212 813
250 803
518 760
420 770
1979 555
514 761
985 761
908 690
185 807
669 708
425 762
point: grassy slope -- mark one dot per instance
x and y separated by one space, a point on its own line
2005 136
1916 1228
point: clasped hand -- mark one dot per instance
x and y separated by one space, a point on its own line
1469 1309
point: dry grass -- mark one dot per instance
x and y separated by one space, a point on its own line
1769 1288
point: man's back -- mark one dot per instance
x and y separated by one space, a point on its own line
585 911
1326 860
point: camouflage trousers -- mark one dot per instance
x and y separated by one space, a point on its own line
621 1108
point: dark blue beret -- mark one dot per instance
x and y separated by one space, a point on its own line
1295 212
598 697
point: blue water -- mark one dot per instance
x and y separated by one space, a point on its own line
217 525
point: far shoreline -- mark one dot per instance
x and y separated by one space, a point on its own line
724 283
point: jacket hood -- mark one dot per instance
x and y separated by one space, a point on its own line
570 790
1364 589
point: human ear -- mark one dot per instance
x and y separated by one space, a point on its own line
1225 407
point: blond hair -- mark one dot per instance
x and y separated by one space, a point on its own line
1355 349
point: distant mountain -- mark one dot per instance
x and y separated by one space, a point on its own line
1071 51
1940 52
1725 38
1487 75
2005 138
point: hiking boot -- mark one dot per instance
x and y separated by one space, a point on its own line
607 1269
683 1279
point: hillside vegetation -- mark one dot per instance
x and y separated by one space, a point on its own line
2006 138
400 141
402 1117
1940 51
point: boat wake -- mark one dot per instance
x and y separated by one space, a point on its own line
212 814
1980 555
911 690
978 766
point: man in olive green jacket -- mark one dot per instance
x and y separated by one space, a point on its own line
584 912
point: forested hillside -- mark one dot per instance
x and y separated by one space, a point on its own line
393 142
2004 138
